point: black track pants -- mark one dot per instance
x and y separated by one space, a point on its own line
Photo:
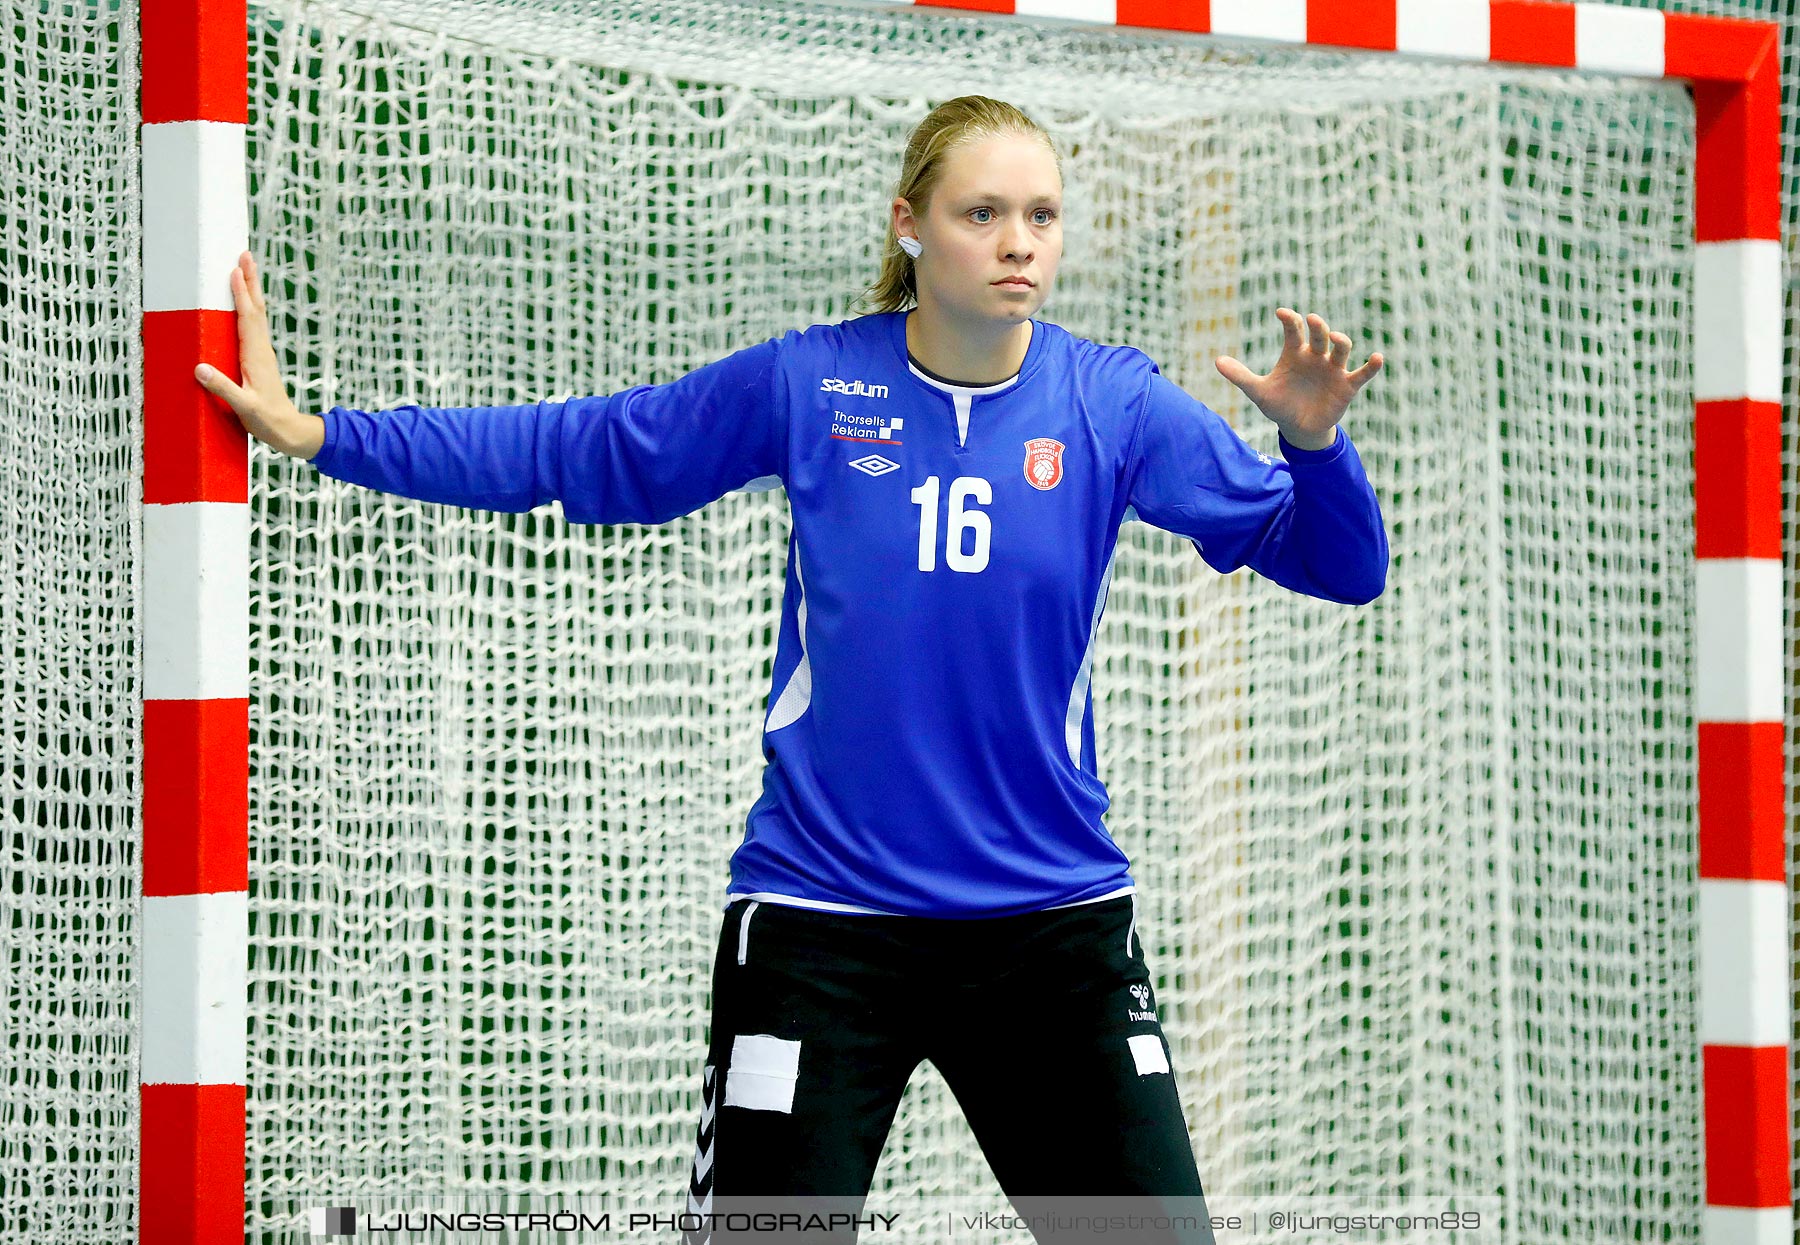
1043 1025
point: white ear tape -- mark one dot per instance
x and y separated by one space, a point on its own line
912 246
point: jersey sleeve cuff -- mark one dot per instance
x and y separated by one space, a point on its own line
1331 453
319 459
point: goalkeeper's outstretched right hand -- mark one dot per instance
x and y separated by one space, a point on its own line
261 402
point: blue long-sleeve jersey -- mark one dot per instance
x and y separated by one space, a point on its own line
929 737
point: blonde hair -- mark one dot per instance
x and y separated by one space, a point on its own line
952 124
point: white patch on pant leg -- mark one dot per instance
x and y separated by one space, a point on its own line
1147 1051
762 1072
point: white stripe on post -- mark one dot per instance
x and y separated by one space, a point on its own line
1611 39
197 601
1281 20
1737 640
1743 962
1102 11
1743 1225
196 218
1737 320
195 984
1457 28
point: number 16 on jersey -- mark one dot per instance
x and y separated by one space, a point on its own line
963 490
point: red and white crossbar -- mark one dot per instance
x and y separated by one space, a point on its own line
196 551
1733 67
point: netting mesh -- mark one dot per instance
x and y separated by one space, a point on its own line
70 540
549 737
1417 879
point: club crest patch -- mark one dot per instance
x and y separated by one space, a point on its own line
1043 462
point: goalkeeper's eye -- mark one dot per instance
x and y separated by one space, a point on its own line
1048 213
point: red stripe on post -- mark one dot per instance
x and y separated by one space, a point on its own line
194 447
191 1165
1716 49
194 67
196 793
1194 16
1741 793
1737 479
1737 158
1746 1126
1352 23
1528 33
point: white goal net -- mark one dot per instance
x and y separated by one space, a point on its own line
1417 879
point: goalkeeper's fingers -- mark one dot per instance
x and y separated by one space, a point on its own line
231 393
283 428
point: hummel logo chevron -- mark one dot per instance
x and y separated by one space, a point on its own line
700 1186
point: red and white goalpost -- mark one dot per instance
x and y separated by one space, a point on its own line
196 570
196 584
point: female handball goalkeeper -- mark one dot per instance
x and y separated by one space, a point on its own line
926 874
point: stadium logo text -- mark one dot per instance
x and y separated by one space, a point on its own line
832 384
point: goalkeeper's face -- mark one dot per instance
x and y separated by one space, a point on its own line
996 213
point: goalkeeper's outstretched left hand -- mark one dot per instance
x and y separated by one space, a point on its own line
260 401
1310 386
